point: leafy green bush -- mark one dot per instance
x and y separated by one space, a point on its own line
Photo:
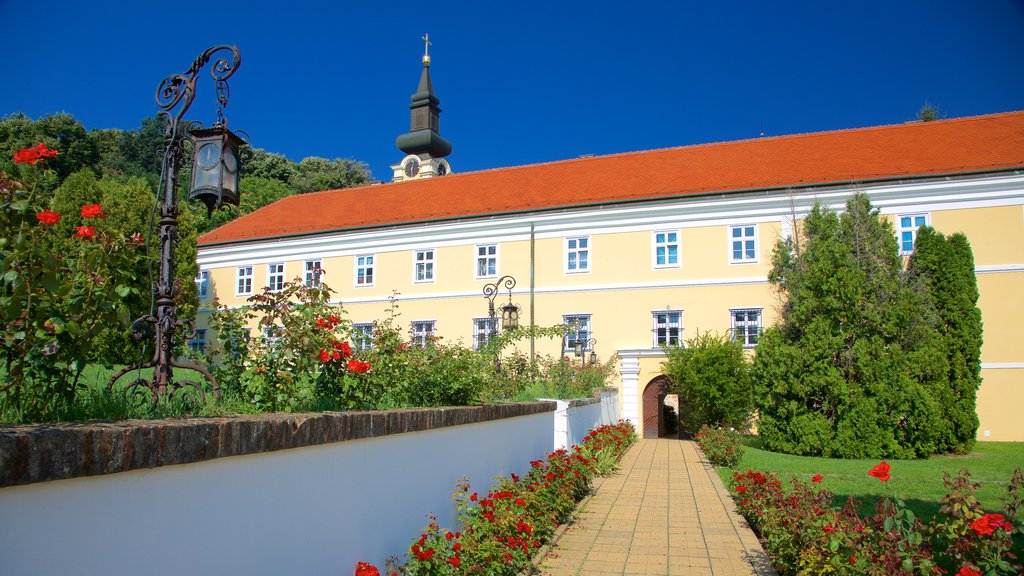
711 374
860 365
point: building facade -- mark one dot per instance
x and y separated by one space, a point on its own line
642 249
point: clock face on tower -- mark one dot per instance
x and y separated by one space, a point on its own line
209 155
412 167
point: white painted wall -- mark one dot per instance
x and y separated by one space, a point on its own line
308 511
572 423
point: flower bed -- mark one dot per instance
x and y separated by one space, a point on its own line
722 447
502 531
804 534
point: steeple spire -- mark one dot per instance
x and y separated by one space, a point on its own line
423 140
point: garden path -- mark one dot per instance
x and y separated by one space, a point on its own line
665 512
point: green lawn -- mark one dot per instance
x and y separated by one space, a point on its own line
917 482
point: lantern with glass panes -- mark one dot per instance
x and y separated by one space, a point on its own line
215 169
581 346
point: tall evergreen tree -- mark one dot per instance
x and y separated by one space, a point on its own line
844 373
946 266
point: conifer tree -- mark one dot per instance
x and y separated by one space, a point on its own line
849 371
946 266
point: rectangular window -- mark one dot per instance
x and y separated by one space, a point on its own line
364 270
579 331
487 261
482 330
743 243
909 223
271 334
362 336
746 326
424 266
313 273
198 342
577 254
244 280
422 332
668 327
666 249
275 277
203 283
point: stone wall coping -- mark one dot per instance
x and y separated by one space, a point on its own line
577 402
31 453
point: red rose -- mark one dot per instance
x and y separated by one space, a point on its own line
346 349
334 319
988 523
449 535
93 211
965 571
881 471
364 569
357 366
817 478
473 497
454 561
85 232
325 356
335 355
457 547
321 323
741 489
47 217
43 151
26 156
853 560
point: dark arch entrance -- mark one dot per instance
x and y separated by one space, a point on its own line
653 400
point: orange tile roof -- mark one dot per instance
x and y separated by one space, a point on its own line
953 146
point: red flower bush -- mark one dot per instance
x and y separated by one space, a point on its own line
48 217
504 529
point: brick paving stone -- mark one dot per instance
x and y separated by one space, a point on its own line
664 513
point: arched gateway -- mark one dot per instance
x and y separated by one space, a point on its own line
653 400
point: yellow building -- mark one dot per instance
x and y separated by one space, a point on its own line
639 249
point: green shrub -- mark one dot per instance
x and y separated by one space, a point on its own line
712 377
722 446
861 364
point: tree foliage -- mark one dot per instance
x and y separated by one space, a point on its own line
856 367
711 374
946 265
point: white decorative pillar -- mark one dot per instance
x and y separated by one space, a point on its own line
629 371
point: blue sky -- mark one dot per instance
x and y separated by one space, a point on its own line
521 82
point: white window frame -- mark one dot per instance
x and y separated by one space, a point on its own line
275 271
313 272
203 284
759 323
243 280
486 257
577 250
423 266
421 331
665 244
743 239
585 331
365 264
272 334
912 229
362 336
656 326
482 331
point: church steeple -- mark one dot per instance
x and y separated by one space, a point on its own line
423 143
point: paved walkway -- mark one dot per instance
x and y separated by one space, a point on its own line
665 512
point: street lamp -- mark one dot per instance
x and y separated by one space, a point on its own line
215 175
509 312
581 346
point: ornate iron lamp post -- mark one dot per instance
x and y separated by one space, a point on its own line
581 346
509 312
215 176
